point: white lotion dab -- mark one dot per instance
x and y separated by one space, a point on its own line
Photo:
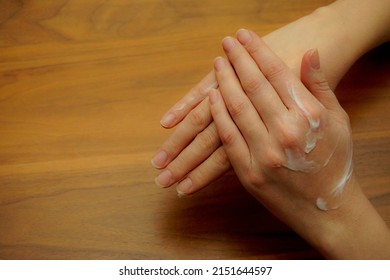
297 159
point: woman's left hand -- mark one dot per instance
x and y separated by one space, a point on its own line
288 141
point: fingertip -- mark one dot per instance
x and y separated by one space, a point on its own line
243 36
168 120
310 62
164 179
180 194
228 44
310 66
314 59
314 79
160 159
219 63
213 96
184 187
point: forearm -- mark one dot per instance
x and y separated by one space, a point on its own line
337 31
354 231
314 191
340 36
340 43
366 23
360 232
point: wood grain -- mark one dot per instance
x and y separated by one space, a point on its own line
83 85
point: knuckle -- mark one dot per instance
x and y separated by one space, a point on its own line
252 84
198 118
199 88
272 159
227 137
316 113
206 141
289 140
321 85
254 179
274 70
236 108
221 159
288 137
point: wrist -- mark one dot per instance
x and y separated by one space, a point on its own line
354 230
333 41
318 30
334 239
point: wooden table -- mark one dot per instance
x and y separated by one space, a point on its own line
83 85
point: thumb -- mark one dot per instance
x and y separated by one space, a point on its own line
315 81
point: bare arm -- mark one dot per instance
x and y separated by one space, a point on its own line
291 147
342 32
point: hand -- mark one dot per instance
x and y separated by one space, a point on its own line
192 155
192 119
290 145
286 144
193 151
204 156
354 230
312 30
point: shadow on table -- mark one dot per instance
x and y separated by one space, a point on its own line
224 221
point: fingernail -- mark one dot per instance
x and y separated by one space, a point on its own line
160 159
244 36
164 179
184 187
213 96
228 44
219 63
168 120
315 59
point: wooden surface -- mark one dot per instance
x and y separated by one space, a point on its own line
83 85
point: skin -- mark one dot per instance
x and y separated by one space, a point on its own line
195 155
256 121
287 113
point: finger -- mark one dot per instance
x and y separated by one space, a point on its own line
256 86
233 142
195 122
204 144
272 67
184 106
314 79
238 104
290 89
211 169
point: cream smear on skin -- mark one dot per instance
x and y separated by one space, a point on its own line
339 188
297 158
